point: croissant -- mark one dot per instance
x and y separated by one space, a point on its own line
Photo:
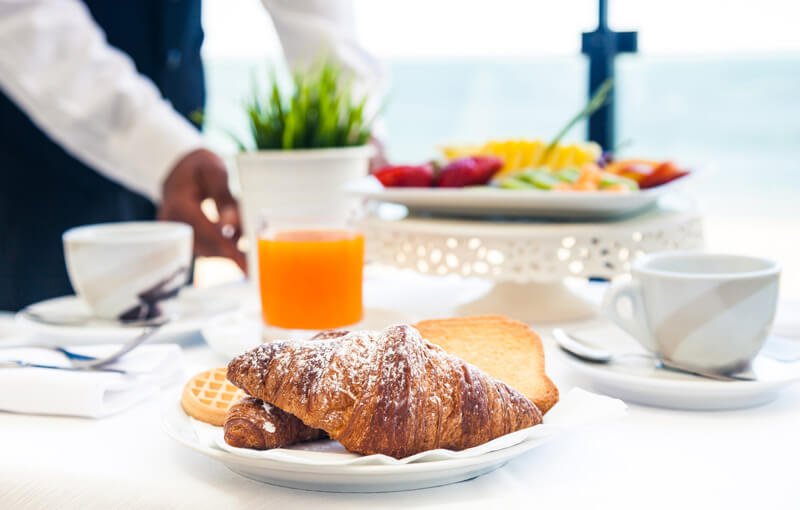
388 392
255 424
252 423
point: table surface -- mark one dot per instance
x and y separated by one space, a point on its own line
653 457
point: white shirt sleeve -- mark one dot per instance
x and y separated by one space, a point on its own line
87 96
309 28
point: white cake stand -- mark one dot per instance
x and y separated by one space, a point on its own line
530 261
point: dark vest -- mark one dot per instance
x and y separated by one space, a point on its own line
45 191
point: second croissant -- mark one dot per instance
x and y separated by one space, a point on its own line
388 392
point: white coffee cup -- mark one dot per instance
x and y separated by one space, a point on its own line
707 311
110 265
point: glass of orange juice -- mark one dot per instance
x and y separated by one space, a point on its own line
310 272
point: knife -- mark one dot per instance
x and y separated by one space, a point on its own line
15 363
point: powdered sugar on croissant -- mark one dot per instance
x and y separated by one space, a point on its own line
388 392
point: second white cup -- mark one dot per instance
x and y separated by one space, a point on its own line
708 311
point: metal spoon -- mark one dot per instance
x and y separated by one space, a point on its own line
586 352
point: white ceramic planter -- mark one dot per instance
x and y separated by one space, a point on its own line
296 183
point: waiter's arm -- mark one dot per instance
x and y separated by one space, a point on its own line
88 97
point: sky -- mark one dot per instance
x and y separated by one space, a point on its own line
434 28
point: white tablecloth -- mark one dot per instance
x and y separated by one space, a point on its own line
652 458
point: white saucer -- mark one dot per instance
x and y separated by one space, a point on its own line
190 311
645 384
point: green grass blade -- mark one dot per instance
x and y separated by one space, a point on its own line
318 111
597 101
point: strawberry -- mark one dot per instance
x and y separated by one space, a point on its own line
469 171
406 176
635 171
662 174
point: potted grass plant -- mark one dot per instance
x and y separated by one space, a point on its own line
307 142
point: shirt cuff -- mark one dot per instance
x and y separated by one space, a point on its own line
153 146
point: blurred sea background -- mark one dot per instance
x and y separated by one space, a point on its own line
714 86
734 119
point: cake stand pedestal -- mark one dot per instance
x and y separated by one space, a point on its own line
531 302
529 261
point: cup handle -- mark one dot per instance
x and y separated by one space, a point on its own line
636 324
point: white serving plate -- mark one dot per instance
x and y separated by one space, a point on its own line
323 467
485 201
645 384
343 477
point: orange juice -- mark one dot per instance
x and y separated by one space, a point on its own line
311 279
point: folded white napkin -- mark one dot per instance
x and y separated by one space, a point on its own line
91 394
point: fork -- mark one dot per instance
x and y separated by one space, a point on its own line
66 352
82 361
15 363
145 335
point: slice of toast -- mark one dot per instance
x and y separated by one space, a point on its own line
506 349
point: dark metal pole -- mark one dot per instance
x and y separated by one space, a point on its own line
602 14
602 46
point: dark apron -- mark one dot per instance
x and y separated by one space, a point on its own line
44 191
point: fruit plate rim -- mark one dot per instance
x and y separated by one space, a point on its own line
490 201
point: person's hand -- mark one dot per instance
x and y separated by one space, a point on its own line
379 160
200 175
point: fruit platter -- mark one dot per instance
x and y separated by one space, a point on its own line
523 178
527 178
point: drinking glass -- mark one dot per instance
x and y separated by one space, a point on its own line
310 271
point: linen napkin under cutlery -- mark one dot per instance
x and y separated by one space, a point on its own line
86 393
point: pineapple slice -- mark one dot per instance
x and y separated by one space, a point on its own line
519 154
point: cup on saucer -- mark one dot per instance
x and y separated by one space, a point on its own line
119 269
707 311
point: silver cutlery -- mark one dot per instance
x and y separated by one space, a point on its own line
587 352
84 362
147 334
66 352
15 363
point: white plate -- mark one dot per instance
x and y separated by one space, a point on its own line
338 477
484 201
312 467
191 310
231 334
645 384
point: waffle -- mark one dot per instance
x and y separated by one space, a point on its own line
208 396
